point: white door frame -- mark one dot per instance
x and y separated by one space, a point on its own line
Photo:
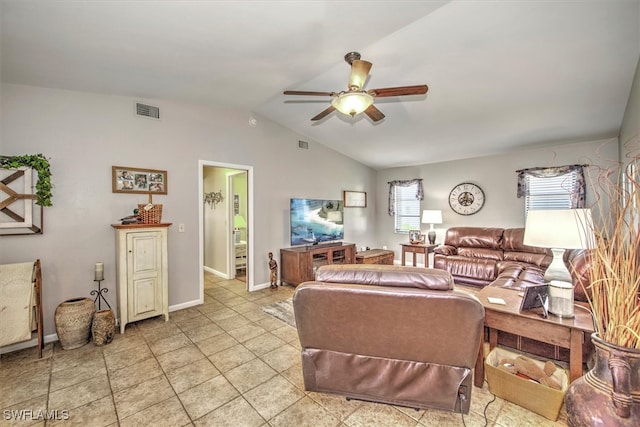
249 169
231 229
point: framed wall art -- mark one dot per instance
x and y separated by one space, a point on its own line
354 199
18 215
140 181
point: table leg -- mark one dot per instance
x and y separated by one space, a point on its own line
493 338
478 374
415 258
575 355
404 252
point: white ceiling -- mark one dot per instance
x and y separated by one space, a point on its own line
501 74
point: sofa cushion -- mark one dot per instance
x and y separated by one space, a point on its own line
579 264
445 250
480 253
516 250
385 275
517 275
474 237
482 269
540 260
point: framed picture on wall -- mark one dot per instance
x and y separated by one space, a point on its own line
135 180
354 199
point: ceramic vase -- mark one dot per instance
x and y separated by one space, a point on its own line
73 322
103 327
609 394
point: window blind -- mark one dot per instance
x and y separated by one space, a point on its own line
551 192
407 208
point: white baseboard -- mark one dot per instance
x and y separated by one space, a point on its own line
216 272
185 305
261 286
26 344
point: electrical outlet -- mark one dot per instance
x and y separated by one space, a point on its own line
180 228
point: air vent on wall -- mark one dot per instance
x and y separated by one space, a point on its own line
303 145
147 111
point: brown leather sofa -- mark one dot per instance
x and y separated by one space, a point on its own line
390 334
497 257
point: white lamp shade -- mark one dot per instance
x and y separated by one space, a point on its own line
352 103
432 217
559 228
239 222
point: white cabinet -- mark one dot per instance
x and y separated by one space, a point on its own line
141 271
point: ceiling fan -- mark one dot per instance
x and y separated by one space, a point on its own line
356 100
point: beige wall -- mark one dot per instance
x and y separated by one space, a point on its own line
630 129
84 134
495 175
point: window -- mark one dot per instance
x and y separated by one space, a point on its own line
407 208
558 187
550 192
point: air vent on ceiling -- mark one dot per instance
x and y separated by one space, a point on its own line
147 111
303 145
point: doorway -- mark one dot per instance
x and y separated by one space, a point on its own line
225 223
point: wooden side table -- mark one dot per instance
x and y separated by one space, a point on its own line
567 333
375 256
415 250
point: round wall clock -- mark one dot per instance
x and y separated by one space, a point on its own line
466 198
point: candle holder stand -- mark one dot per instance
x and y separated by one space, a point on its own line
100 295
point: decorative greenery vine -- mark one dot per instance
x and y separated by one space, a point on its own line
41 166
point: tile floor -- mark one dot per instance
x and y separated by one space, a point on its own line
224 363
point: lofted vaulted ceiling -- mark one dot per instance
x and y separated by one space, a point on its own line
502 75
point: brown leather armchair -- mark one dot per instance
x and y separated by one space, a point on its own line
390 334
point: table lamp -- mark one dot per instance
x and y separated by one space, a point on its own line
431 217
238 223
558 230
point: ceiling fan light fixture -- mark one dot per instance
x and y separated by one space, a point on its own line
352 103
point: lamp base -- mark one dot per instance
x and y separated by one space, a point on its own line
561 299
431 235
557 270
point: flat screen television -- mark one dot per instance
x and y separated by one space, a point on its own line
315 221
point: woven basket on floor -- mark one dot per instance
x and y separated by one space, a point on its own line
151 216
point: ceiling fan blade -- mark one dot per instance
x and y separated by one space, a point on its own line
399 91
323 113
302 92
359 72
373 113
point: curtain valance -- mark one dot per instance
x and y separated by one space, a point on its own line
577 193
403 183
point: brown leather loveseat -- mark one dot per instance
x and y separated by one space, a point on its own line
498 257
390 334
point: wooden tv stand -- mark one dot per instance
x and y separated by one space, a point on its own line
299 264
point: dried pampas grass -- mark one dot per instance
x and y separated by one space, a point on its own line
615 261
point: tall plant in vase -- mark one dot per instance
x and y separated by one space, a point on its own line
609 394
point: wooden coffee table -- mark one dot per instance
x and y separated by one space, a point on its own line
566 333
